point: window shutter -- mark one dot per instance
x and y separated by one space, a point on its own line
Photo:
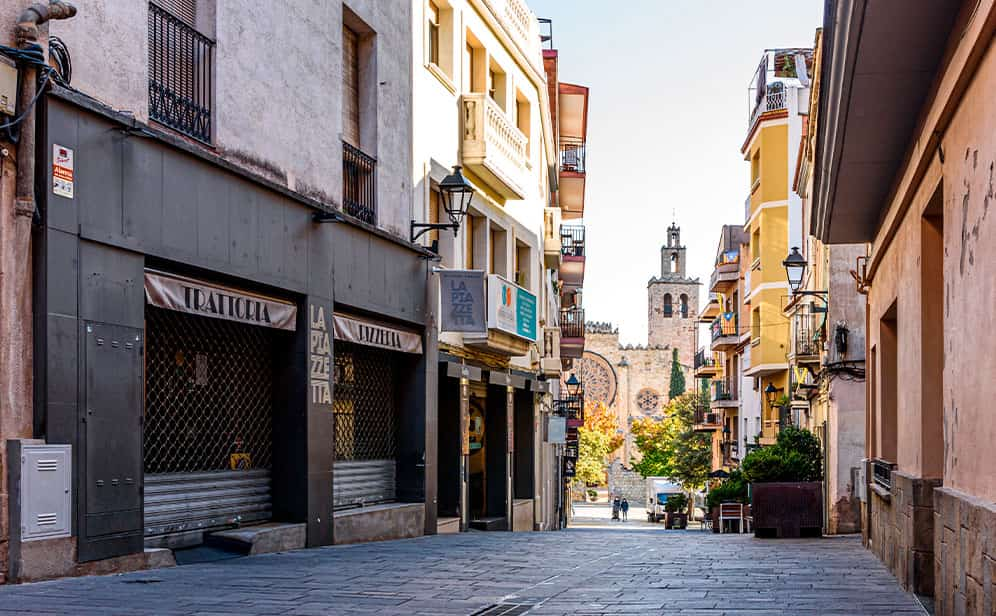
350 88
184 9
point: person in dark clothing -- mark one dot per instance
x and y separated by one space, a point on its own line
615 508
625 510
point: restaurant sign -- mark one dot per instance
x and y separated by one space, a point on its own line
368 333
461 298
511 308
217 302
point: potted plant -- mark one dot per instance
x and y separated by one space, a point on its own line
786 488
677 516
733 489
592 495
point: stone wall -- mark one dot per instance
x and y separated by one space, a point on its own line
674 331
902 530
627 483
964 554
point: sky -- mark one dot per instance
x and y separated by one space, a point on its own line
667 114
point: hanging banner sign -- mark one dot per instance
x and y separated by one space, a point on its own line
556 431
218 302
461 301
372 334
511 308
570 464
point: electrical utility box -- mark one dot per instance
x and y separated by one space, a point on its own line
8 86
46 491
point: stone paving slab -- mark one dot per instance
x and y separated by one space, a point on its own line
586 571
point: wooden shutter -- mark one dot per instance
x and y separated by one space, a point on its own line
350 88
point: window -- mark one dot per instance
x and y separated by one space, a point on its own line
667 306
475 74
433 214
350 88
684 306
180 69
468 230
674 263
523 117
755 168
888 373
498 86
522 265
432 29
755 326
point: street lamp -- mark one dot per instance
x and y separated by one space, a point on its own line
771 392
795 270
455 192
573 385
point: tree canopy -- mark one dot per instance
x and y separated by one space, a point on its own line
597 438
672 448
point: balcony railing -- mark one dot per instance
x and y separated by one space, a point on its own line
706 417
572 240
882 474
806 325
572 157
493 146
519 22
572 323
747 209
774 99
721 391
180 75
359 184
704 359
726 324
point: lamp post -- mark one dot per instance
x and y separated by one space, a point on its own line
795 270
771 393
455 192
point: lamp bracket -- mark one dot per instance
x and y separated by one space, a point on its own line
426 227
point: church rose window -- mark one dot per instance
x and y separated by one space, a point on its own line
648 400
598 377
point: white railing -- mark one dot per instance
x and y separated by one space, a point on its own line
490 139
747 283
747 209
773 100
519 22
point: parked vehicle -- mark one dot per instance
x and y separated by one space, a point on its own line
658 491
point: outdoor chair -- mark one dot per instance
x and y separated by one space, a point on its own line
731 511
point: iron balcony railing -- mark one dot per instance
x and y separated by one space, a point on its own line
806 326
774 99
359 184
705 417
704 359
726 324
180 75
572 157
572 323
572 240
721 390
569 406
882 473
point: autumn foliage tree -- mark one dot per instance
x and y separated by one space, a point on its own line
597 438
672 448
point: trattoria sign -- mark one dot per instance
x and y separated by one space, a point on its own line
372 334
217 302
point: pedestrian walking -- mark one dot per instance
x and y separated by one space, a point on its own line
615 508
625 510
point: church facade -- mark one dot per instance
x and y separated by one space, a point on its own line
633 380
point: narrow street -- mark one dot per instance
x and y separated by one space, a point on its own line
631 569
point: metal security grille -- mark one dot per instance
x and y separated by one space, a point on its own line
365 407
365 403
209 394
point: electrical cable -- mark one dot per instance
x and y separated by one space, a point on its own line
59 53
32 55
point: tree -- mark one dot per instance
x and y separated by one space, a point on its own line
597 438
677 386
672 448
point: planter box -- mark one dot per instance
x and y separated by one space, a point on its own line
787 509
677 521
714 514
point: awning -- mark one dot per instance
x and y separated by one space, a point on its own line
369 333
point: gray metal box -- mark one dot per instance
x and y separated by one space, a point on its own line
46 497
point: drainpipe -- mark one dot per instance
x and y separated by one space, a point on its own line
26 35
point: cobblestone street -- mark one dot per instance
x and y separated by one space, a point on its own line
585 570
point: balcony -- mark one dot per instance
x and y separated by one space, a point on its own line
551 237
726 273
775 99
723 396
572 180
359 184
882 474
705 364
493 148
180 75
807 332
572 255
550 363
706 420
724 332
519 23
711 310
571 332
